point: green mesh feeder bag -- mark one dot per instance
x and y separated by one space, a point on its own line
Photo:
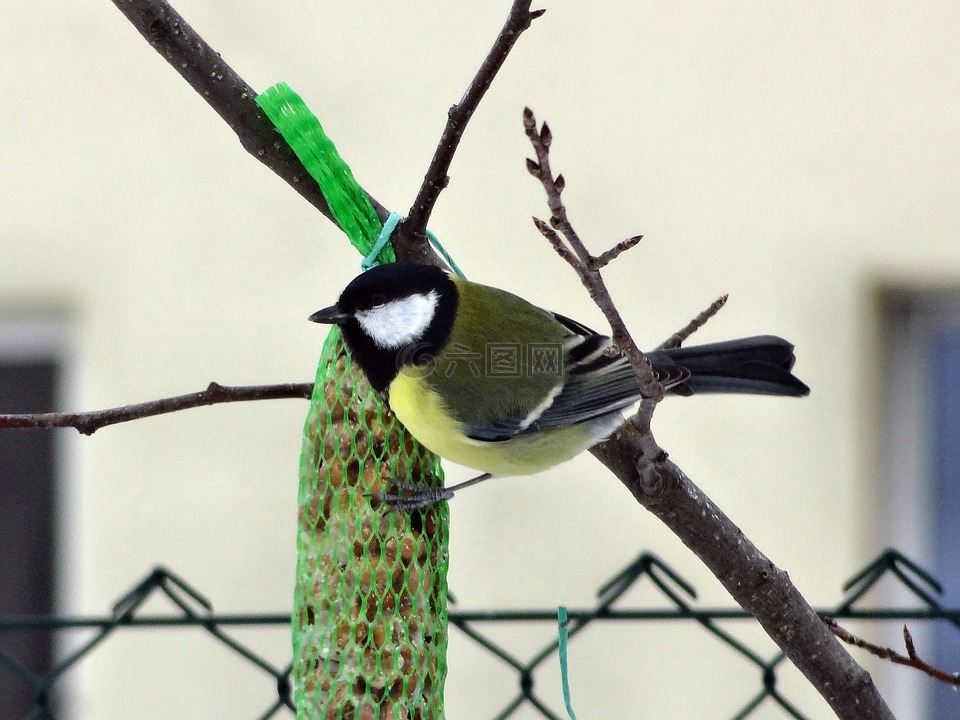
369 616
370 605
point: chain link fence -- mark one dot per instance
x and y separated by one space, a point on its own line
190 609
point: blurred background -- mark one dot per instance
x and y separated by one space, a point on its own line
804 158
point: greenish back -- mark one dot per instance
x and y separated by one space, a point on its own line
503 357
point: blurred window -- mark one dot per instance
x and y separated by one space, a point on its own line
921 453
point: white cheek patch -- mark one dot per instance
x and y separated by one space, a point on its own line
398 322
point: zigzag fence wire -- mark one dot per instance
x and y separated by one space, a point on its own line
193 610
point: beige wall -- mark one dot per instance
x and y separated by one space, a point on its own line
793 155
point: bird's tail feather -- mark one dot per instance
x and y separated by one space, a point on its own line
756 365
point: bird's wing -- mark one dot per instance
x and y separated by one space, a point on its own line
600 387
595 382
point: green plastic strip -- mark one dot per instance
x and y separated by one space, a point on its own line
347 200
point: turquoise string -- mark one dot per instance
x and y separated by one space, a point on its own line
384 237
562 649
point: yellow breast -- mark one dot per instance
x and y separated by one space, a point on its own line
422 412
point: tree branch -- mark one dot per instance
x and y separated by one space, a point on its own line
751 578
634 456
605 258
436 178
88 423
911 659
677 339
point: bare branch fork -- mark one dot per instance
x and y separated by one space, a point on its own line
911 659
572 249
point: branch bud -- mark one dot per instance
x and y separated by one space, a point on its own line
529 121
546 137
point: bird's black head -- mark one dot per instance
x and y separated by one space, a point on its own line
394 315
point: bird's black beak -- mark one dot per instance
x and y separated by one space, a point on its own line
331 316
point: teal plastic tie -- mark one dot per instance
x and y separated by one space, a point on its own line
562 649
372 260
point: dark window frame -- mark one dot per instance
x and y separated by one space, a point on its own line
33 362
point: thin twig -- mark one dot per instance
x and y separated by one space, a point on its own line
436 178
89 422
677 339
584 263
604 259
556 242
911 659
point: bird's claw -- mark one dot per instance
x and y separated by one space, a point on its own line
413 497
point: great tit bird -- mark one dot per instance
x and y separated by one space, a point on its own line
487 380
